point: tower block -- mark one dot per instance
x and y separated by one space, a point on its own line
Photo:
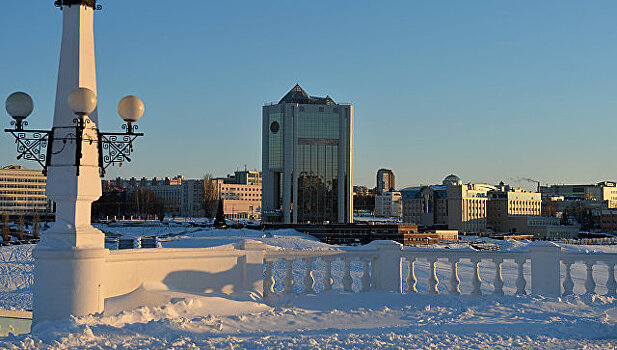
69 260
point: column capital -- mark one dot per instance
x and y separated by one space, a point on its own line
89 3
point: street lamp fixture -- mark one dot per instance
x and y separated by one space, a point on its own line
36 145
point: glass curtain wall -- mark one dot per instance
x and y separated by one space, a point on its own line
317 157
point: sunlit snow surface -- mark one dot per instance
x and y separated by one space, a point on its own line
331 320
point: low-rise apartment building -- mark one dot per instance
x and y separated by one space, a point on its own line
22 191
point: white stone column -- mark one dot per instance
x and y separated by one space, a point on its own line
545 269
389 270
69 260
252 265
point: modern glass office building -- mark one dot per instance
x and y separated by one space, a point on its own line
307 160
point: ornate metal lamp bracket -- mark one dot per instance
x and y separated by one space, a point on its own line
116 147
89 3
32 145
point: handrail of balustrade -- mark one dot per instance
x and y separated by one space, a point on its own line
591 256
464 254
271 255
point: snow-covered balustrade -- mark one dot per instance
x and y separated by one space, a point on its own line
590 261
541 268
253 267
318 262
549 265
453 258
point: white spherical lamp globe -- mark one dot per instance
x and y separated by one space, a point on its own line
19 105
82 101
131 108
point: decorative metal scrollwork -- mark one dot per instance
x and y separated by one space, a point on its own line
33 145
19 124
116 148
90 3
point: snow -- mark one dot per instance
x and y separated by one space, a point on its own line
287 239
337 320
327 320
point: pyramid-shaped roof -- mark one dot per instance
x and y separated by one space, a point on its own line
298 95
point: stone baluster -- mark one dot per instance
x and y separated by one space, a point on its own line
309 279
590 284
476 282
611 284
366 274
455 281
568 284
433 281
269 281
498 281
412 281
347 280
520 279
327 278
289 279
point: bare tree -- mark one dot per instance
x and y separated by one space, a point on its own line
36 225
6 229
146 203
210 195
21 223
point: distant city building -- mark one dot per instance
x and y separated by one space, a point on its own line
467 205
240 201
23 191
541 227
425 205
241 194
385 180
477 208
605 192
452 204
246 177
389 204
506 201
606 220
307 160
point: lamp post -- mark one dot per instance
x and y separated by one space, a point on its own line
69 260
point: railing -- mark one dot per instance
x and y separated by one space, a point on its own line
589 260
312 283
542 268
453 258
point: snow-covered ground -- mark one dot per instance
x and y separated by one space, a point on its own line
328 320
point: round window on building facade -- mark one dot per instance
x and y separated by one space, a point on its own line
275 127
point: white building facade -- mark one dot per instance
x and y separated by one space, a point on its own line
307 160
452 204
389 204
23 191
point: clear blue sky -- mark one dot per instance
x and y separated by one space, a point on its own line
488 90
